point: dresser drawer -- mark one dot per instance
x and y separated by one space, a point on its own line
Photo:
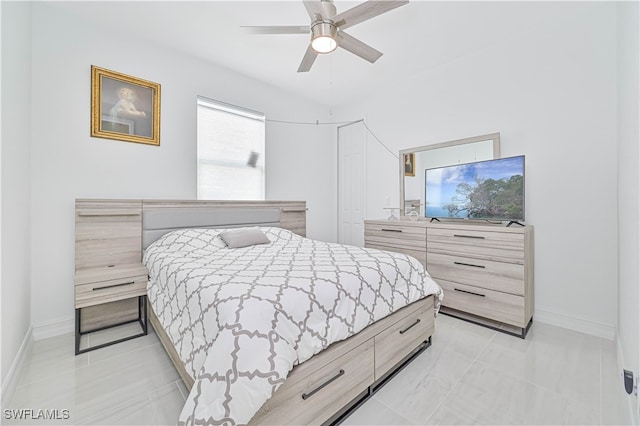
110 290
503 246
317 396
397 226
495 305
394 234
420 255
394 343
499 276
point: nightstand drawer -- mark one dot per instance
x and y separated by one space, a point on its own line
110 290
499 276
505 246
495 305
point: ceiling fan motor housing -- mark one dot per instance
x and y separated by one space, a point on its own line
324 36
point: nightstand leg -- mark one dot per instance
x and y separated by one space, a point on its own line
142 320
78 335
142 309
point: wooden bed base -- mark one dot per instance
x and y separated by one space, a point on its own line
317 391
324 388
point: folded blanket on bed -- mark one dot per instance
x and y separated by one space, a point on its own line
242 318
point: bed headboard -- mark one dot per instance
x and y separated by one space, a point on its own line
156 223
160 217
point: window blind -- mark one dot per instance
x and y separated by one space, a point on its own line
231 148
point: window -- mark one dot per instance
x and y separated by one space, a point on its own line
231 143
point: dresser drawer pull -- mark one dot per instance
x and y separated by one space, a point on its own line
310 394
468 236
469 264
113 285
391 230
469 292
410 327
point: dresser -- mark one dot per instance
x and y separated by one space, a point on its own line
108 268
486 271
400 236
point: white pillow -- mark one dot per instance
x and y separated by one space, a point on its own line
244 237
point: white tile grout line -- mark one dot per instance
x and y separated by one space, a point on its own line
88 354
452 387
389 408
495 333
177 383
558 394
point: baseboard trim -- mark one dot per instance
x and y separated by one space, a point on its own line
10 382
53 328
576 324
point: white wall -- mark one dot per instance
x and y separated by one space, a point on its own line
628 187
551 93
301 165
16 126
67 163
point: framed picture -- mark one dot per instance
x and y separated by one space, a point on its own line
410 164
124 108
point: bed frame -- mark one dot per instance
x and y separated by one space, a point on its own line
327 387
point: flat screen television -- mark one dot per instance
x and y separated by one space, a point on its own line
490 190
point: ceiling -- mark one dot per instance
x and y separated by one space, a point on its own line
414 38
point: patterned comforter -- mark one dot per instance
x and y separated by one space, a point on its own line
241 319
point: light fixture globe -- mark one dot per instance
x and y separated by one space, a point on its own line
323 37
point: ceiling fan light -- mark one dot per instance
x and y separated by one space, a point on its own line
323 37
324 44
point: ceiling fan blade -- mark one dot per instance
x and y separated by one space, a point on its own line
316 10
285 29
308 60
357 47
364 11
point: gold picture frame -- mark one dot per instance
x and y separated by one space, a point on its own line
410 164
124 108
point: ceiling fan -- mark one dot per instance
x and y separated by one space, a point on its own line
327 28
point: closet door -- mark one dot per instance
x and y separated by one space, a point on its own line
351 183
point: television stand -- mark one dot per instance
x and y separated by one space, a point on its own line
434 218
511 222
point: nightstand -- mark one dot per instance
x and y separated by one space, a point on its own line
108 264
95 286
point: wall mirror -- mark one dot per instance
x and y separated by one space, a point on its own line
414 162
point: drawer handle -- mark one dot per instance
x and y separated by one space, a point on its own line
310 394
469 292
468 236
112 285
391 230
410 327
469 264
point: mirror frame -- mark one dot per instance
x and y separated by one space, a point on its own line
495 137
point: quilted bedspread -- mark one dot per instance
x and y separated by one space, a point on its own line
241 319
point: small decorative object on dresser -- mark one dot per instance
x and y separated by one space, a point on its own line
108 265
485 270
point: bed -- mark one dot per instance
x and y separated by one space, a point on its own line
290 331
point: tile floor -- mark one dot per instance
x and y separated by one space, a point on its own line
470 375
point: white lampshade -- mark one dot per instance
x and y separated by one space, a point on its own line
323 37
